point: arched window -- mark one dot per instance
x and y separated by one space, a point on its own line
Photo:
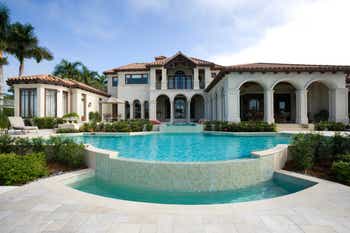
127 110
137 109
146 109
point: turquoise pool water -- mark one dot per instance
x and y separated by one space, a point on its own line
188 147
280 185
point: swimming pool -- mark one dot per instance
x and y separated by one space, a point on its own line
186 147
279 185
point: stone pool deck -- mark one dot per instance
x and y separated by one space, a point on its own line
49 206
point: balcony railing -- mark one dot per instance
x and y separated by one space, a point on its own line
180 82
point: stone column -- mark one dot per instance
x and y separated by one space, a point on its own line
152 110
131 110
188 111
207 76
195 78
301 106
233 105
268 106
338 105
41 101
152 79
121 111
17 100
218 108
142 109
59 103
171 110
164 84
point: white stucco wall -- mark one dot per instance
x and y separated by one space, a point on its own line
74 99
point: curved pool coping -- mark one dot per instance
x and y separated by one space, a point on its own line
187 176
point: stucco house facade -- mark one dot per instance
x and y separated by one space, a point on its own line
182 89
51 96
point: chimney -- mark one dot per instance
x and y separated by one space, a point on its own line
158 58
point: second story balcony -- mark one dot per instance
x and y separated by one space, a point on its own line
180 81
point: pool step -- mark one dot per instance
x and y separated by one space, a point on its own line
181 128
294 127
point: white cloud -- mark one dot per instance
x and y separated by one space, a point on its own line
314 32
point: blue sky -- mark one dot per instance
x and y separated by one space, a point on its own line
105 34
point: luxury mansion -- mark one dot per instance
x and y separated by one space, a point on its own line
182 89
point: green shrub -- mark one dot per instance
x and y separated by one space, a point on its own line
341 171
303 150
244 126
118 126
71 115
17 169
47 122
65 151
95 116
330 126
67 130
341 144
323 115
344 158
5 143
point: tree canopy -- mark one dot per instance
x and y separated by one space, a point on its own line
79 72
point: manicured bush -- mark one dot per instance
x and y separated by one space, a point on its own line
244 126
341 144
95 116
341 171
323 115
303 150
118 126
71 117
17 169
47 122
330 126
67 130
344 158
65 151
5 143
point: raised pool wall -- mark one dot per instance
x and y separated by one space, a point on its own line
186 176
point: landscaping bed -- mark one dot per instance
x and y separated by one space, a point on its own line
23 160
321 156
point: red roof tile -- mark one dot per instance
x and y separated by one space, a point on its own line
276 67
53 80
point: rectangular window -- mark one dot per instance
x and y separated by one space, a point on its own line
28 102
50 103
136 78
114 81
65 102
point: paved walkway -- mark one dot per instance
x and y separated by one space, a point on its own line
50 206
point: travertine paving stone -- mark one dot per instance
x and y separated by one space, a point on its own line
50 206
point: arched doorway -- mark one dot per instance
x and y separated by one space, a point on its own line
137 109
127 110
180 108
163 108
251 102
318 102
284 103
197 108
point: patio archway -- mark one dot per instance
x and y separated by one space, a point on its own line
197 108
251 102
163 108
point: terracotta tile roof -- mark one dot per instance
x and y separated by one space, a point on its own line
53 80
160 61
276 67
128 67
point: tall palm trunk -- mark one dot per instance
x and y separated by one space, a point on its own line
2 81
21 68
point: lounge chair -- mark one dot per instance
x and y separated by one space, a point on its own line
17 123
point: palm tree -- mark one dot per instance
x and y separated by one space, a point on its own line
4 27
23 43
87 76
68 70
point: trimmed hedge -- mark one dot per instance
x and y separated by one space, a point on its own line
47 122
17 169
67 130
56 149
341 171
244 126
330 126
118 126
